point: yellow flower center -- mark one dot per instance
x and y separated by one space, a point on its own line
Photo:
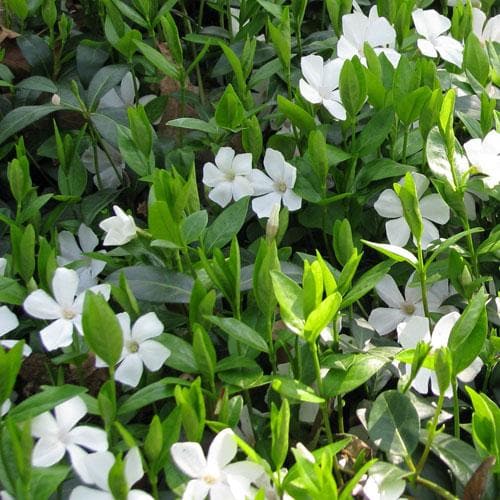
408 308
68 314
280 186
133 346
209 479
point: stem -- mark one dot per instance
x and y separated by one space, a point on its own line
456 410
423 280
470 244
436 488
340 414
430 435
405 144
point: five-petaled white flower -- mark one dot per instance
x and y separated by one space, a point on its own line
64 308
98 466
275 188
416 330
321 83
214 475
57 435
120 228
358 29
108 173
385 319
138 348
9 322
485 156
432 207
71 251
229 176
431 25
486 31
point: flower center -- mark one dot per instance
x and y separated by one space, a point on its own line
209 479
408 308
133 346
280 186
230 176
68 313
325 92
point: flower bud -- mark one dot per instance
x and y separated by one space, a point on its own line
56 100
273 223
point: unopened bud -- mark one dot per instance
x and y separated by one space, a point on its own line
273 223
56 100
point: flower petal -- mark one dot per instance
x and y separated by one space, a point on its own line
385 320
335 108
153 354
241 187
242 164
93 438
84 493
450 50
40 304
43 425
398 232
8 320
222 450
79 462
426 48
434 208
291 200
197 490
332 71
263 205
68 249
468 374
274 163
442 329
98 466
249 470
87 238
147 327
388 205
64 286
130 370
221 194
421 381
429 23
189 458
133 466
415 330
224 159
312 69
309 93
388 291
261 183
429 234
70 412
58 334
47 451
212 175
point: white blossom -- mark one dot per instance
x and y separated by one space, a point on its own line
431 26
229 176
119 229
70 251
485 30
358 29
65 309
485 156
215 475
57 435
416 330
9 322
321 83
138 348
98 466
276 187
432 208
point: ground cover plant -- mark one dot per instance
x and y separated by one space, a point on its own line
249 249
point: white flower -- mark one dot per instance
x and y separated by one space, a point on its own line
358 29
485 156
110 177
138 348
56 99
64 308
120 228
276 187
9 322
431 25
432 207
321 83
229 176
57 435
71 251
3 265
214 475
98 466
401 309
417 329
486 31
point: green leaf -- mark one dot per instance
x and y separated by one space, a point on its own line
280 425
469 333
295 390
361 368
103 81
157 391
407 194
204 353
226 225
182 356
38 83
476 60
101 329
240 332
21 117
352 86
156 284
11 292
229 112
393 423
321 316
375 132
193 225
46 480
290 299
10 363
158 60
408 109
44 401
300 118
383 168
394 252
195 124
